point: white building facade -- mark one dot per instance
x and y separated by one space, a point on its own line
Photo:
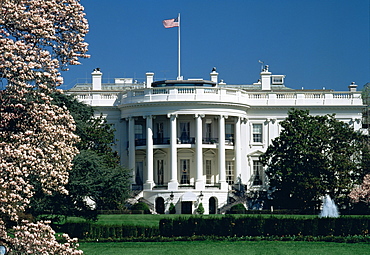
195 141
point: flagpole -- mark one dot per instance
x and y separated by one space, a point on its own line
179 55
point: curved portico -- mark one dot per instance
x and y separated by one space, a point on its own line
192 139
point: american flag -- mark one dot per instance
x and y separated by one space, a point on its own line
168 23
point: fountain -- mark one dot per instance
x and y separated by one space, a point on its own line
329 209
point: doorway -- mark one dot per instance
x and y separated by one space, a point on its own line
187 207
212 205
159 205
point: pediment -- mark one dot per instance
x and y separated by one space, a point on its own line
256 153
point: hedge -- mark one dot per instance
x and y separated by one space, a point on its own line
94 231
228 226
260 226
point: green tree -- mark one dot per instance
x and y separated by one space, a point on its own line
313 156
94 132
93 177
96 173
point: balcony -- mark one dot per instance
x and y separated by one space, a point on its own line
186 140
140 142
161 140
210 140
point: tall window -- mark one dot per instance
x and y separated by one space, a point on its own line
139 172
257 133
229 133
257 172
230 172
185 132
138 131
185 171
208 131
160 174
208 171
139 135
160 133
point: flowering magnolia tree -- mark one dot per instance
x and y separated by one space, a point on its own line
362 193
38 38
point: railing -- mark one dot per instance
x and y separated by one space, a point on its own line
257 96
218 94
162 140
210 140
184 93
186 140
190 140
140 142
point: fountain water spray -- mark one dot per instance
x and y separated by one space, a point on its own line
329 209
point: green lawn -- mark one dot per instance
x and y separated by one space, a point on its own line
224 247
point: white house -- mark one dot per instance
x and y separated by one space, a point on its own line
199 141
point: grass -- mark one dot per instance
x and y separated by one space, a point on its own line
224 247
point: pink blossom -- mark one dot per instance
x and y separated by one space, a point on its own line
362 193
37 39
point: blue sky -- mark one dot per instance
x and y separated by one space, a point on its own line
316 43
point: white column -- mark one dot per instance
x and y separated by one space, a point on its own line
221 153
173 184
149 183
131 146
237 148
199 183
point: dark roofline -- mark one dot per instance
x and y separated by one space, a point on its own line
183 82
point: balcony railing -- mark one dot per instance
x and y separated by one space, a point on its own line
140 142
162 140
210 140
186 140
190 140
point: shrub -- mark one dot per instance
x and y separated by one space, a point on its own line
172 209
200 209
140 206
238 209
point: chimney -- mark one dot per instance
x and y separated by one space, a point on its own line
149 79
352 87
96 79
214 75
266 78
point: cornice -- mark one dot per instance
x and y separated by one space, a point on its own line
182 103
279 107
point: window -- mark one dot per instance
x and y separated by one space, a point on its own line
139 135
139 173
277 80
209 131
229 134
257 172
185 132
138 131
208 171
230 172
160 172
257 133
160 137
185 171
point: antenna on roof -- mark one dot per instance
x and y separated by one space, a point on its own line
261 62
